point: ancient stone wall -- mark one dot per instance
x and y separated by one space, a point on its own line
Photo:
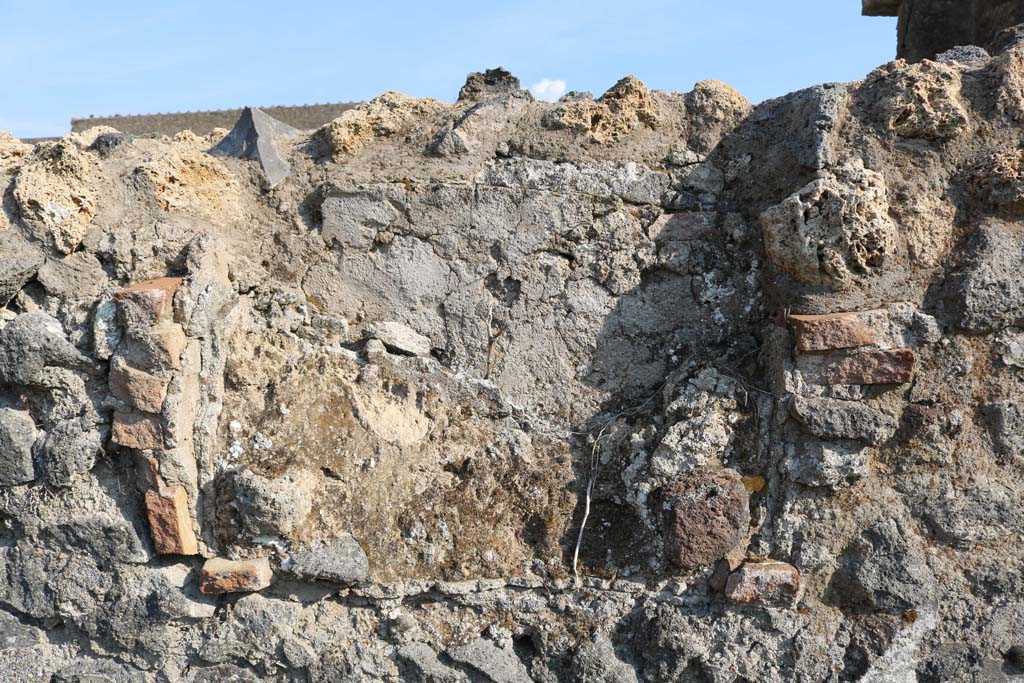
649 387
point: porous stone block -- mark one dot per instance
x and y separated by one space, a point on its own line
986 292
148 303
813 462
270 507
839 330
340 560
17 434
706 515
829 418
886 568
170 522
137 430
220 575
139 389
1006 420
894 366
768 583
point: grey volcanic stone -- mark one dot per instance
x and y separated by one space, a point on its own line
70 449
831 419
31 342
17 435
99 671
883 570
15 634
20 263
418 662
987 292
257 136
270 507
340 560
813 462
596 662
498 664
1007 424
225 673
491 82
984 512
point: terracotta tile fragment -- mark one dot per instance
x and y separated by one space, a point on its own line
149 302
767 583
170 522
220 575
894 366
137 430
839 330
140 389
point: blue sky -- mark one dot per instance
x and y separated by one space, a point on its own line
65 59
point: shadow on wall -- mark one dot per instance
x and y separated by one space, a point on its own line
698 306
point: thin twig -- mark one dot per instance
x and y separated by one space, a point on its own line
592 479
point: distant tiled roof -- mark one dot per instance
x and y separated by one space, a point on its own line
304 117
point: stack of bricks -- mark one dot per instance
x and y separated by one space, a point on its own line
146 376
846 349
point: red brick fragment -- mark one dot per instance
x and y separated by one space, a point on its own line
839 330
895 366
137 388
137 430
149 302
170 522
234 576
767 583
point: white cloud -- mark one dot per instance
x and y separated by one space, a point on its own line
548 89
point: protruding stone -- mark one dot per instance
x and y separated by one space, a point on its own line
137 430
401 338
32 342
497 664
829 419
768 583
340 560
270 507
17 435
220 575
170 522
256 136
490 82
106 333
813 462
706 516
895 366
140 389
69 449
839 330
884 569
1007 425
148 303
986 292
20 263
